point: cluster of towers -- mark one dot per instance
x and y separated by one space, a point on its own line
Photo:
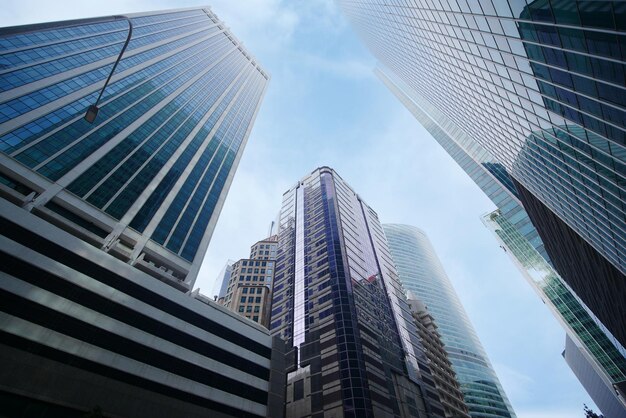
120 137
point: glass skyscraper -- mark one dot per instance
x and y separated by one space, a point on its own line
422 274
602 392
147 179
522 239
539 85
338 301
103 225
607 357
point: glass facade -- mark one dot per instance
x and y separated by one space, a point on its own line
540 85
337 300
522 239
422 274
608 356
512 74
148 178
602 392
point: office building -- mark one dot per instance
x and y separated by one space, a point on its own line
539 85
103 224
248 287
607 357
421 273
497 184
81 329
221 282
440 366
145 182
604 393
337 300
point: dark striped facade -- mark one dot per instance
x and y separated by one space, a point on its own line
79 331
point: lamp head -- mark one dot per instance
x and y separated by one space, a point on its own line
92 113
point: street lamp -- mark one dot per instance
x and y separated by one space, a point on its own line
92 110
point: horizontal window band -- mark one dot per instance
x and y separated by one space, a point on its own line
42 279
110 278
121 376
75 328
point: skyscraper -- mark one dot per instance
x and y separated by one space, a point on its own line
602 391
445 378
146 180
337 300
422 274
103 224
521 238
247 287
540 86
607 359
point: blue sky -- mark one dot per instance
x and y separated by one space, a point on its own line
324 106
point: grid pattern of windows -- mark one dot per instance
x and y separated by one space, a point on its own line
171 126
247 287
578 322
423 275
515 230
337 298
539 84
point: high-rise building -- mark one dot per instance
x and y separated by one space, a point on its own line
422 274
445 379
608 358
248 287
337 300
145 182
221 282
103 224
602 391
540 85
522 239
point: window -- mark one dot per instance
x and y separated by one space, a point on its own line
250 299
259 290
245 290
243 299
298 389
241 309
258 300
255 318
248 309
257 309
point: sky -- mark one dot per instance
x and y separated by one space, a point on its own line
324 106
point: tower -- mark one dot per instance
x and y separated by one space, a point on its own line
105 218
146 179
337 300
422 274
539 85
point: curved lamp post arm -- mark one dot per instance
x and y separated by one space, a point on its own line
92 111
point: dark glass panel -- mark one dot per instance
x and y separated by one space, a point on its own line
541 11
597 14
573 39
566 12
